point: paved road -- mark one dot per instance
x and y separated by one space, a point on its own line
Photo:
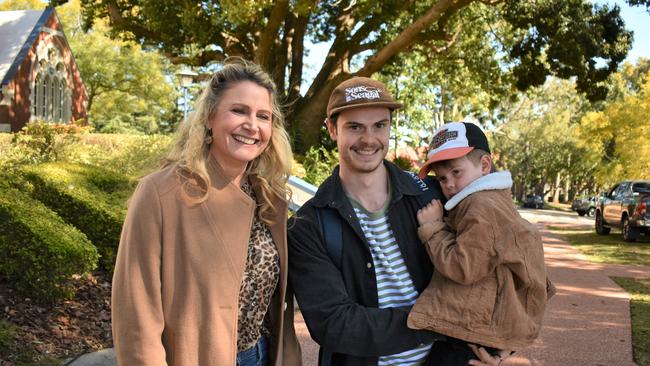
586 323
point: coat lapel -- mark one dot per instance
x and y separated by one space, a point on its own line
230 213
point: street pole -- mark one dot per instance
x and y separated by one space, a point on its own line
185 103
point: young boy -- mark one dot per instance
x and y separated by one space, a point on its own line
489 286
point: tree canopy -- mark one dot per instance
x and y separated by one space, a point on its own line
127 86
618 135
553 140
532 39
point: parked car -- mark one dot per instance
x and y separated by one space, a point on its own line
626 207
585 205
534 201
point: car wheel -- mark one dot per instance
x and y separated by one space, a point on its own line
592 211
630 234
581 213
601 229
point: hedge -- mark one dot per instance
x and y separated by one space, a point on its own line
91 198
39 252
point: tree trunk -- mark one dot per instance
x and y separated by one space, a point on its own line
556 188
567 186
307 118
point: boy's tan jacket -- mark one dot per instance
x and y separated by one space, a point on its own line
489 286
178 274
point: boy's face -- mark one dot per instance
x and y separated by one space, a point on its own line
456 174
362 136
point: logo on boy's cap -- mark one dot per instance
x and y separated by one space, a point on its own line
452 141
360 92
442 137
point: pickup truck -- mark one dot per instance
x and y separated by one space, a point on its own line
626 207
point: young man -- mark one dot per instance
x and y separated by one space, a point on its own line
356 304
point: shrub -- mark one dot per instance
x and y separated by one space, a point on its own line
42 141
403 162
91 198
318 164
39 252
133 155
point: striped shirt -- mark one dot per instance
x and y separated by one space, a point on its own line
394 285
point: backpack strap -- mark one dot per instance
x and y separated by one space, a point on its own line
330 225
333 234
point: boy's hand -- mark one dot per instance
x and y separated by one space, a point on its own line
430 213
486 359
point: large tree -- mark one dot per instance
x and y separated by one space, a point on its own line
566 38
537 141
618 135
127 87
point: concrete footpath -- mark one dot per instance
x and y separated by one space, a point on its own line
587 322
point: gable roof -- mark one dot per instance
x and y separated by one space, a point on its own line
18 31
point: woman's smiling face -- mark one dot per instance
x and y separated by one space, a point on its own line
241 125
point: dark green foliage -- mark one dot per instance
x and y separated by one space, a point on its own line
567 38
318 164
91 198
403 162
39 252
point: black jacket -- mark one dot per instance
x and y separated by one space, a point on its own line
340 305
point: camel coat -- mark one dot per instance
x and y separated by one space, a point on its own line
178 274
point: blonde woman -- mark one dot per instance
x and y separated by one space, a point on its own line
201 272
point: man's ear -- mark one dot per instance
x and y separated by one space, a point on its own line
331 128
486 164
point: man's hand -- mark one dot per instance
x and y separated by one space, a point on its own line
430 213
486 359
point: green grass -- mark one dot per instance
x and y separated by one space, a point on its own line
606 248
639 291
564 207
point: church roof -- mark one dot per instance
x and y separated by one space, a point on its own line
18 31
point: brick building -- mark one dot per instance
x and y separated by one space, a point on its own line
39 77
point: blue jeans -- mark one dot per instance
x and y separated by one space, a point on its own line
255 356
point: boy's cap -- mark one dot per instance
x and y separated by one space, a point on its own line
452 141
360 92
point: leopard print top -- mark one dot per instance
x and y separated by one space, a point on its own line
260 280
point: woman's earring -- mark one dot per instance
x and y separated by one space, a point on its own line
208 138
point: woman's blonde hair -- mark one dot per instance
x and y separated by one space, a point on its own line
270 170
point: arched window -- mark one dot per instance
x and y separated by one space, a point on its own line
54 82
56 100
51 99
44 88
61 101
35 97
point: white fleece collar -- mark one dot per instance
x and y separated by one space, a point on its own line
498 180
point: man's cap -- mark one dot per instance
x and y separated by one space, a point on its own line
452 141
360 92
